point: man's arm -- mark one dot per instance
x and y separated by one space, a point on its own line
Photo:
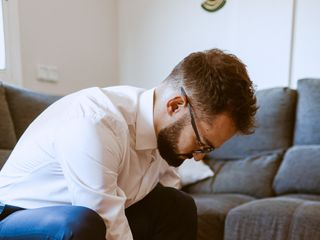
171 178
90 154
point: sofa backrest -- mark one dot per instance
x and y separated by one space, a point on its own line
18 108
307 129
275 121
248 164
7 132
25 106
300 168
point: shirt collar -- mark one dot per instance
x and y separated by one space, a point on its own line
145 132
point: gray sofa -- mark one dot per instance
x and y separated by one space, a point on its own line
266 185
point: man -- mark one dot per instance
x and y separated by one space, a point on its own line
100 163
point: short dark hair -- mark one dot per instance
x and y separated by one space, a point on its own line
217 82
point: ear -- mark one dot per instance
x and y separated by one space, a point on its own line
176 104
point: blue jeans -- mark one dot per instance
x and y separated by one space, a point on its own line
51 223
164 214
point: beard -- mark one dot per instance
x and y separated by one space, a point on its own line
168 142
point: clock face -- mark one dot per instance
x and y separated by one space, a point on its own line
213 5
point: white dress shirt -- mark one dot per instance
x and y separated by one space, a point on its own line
95 148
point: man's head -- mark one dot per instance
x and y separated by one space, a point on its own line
207 98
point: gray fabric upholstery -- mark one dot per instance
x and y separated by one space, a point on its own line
212 211
309 197
204 186
306 222
4 154
7 132
25 106
307 130
275 120
251 176
274 218
299 171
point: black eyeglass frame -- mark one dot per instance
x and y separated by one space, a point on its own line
205 148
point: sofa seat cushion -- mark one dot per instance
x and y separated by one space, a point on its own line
4 154
212 211
7 131
306 222
299 171
307 127
309 197
249 176
275 121
274 218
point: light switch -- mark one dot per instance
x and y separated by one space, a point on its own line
53 74
47 73
42 72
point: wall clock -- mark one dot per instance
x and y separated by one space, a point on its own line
213 5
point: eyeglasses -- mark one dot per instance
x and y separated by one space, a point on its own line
205 148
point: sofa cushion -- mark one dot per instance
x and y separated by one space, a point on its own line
307 130
4 154
7 132
212 211
309 197
306 222
275 120
274 218
299 171
25 106
251 176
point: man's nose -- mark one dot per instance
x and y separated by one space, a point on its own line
198 156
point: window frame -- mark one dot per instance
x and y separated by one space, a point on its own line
13 71
3 19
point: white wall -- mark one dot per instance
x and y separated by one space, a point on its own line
79 37
138 42
306 50
155 35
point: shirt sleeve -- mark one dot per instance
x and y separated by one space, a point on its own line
90 154
171 178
